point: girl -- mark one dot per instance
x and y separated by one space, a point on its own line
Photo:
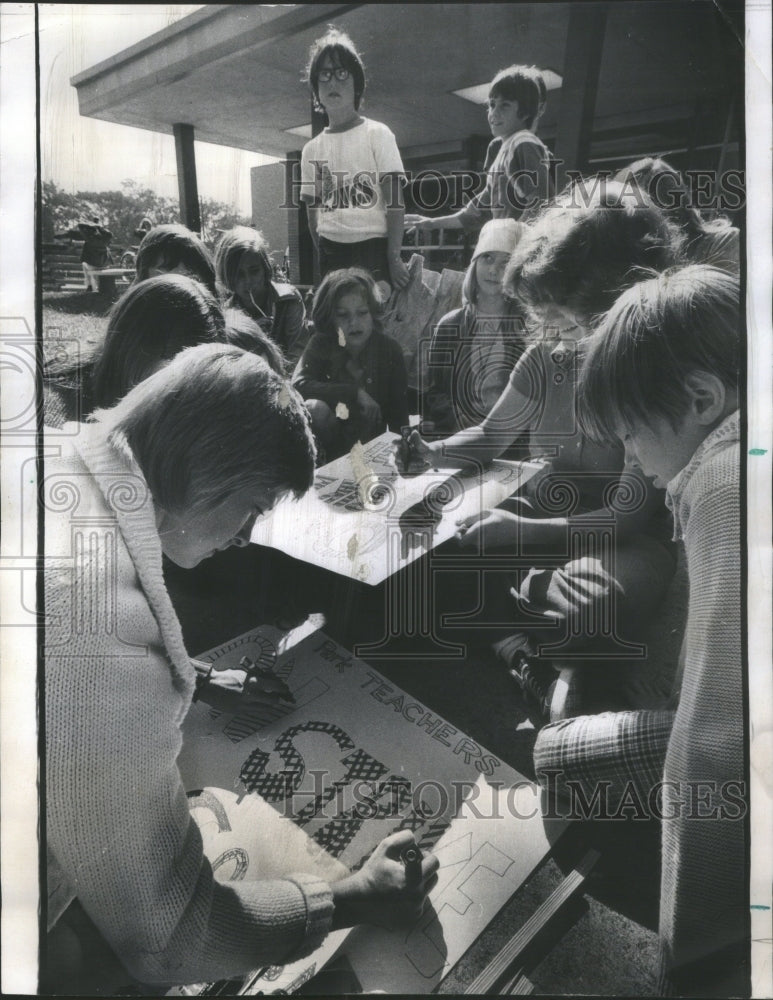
715 242
148 325
475 348
351 374
244 332
203 447
566 270
245 281
351 173
174 249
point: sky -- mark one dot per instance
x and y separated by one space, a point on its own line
84 154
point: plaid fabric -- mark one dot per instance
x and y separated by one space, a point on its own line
626 749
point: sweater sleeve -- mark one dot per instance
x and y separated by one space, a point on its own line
120 829
703 904
293 334
314 377
529 184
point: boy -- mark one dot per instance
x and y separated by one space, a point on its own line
518 180
351 173
662 375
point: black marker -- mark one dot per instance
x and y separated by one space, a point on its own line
411 857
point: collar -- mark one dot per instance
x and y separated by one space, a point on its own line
728 432
126 495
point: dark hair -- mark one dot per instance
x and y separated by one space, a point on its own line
214 421
149 324
229 252
653 337
665 186
524 84
170 245
340 48
242 331
588 246
343 282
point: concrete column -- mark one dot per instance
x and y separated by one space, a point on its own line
186 176
582 62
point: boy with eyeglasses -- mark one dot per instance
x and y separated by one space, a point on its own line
352 172
517 165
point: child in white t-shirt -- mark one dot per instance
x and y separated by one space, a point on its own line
351 173
517 166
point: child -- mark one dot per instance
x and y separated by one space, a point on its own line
475 348
151 322
662 374
246 281
715 242
351 172
518 179
566 270
173 249
351 374
242 331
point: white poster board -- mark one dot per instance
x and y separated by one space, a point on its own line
354 521
352 760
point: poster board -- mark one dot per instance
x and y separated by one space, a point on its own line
356 519
352 760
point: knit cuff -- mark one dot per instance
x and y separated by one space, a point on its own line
319 908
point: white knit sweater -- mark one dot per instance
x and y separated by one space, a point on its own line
704 859
118 685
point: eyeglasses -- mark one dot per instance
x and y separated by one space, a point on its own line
340 73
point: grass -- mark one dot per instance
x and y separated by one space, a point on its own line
74 316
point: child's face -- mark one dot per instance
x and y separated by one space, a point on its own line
250 281
489 271
353 319
659 450
334 94
504 117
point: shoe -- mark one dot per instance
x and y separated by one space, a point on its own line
537 681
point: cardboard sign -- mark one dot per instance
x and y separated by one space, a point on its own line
315 784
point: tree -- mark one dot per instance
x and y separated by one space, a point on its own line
122 211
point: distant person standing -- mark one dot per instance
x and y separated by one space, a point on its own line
352 172
95 253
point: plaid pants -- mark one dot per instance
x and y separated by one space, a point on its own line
622 753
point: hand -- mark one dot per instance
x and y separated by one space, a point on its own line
398 273
412 456
421 222
489 529
371 411
417 526
380 893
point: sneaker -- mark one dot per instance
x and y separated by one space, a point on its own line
537 681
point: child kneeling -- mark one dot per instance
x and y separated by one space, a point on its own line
662 375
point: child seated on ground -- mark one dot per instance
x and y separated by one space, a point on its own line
661 374
173 249
352 172
706 242
351 374
517 165
245 279
151 322
242 331
475 348
591 556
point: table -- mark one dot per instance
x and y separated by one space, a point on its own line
364 521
